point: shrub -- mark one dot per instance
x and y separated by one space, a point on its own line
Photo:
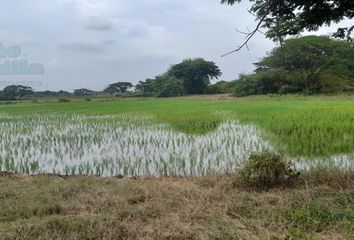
63 100
245 86
348 89
169 86
332 83
266 170
288 89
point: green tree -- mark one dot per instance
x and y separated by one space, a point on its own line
246 85
83 92
308 58
290 17
221 87
14 92
273 81
146 87
169 86
162 86
119 87
192 76
196 74
309 64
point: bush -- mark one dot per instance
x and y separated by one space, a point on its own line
266 170
245 86
273 81
348 89
332 84
63 100
288 89
221 87
169 86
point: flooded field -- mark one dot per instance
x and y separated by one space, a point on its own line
132 145
120 144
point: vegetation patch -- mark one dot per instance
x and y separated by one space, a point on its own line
266 170
63 100
125 144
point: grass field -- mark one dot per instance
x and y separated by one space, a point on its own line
187 136
202 140
325 122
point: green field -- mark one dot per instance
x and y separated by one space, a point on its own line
219 133
186 137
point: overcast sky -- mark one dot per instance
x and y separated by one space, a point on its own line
91 43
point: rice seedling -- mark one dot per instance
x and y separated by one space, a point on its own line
171 137
120 144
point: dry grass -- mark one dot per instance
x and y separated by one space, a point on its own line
51 207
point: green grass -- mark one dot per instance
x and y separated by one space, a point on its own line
319 206
303 126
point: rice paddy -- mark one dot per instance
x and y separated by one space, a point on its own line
120 145
177 137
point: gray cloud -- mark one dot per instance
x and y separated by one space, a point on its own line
88 43
99 24
82 47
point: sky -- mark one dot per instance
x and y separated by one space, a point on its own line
91 43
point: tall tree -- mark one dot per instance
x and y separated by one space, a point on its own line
119 87
196 74
309 65
311 57
14 92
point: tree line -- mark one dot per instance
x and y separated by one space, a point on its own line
191 76
300 65
306 65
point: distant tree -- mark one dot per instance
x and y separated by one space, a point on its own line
63 93
291 17
272 81
309 65
196 74
146 87
310 57
162 86
83 92
246 85
221 87
46 93
192 76
14 92
119 87
169 86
